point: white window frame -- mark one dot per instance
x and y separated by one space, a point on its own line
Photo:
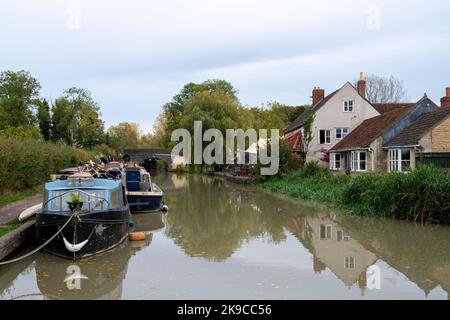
342 134
395 160
327 136
349 262
356 161
333 161
328 228
346 106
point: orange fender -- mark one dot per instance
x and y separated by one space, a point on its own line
136 236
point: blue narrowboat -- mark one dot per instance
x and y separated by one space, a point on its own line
82 216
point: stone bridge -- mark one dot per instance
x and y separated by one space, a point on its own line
139 155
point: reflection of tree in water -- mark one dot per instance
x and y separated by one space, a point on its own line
422 253
213 218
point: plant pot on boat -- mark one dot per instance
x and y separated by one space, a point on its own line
75 203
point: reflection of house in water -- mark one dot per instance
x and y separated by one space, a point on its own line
332 247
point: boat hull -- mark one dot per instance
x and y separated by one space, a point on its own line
85 235
145 203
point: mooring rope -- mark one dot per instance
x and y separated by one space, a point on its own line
41 246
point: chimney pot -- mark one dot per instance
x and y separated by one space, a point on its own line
445 101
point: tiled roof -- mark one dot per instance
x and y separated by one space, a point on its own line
297 123
386 107
411 135
293 139
370 129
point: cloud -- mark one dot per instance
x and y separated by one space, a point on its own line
138 54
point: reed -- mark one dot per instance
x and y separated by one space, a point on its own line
422 195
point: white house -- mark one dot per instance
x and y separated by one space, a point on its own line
334 117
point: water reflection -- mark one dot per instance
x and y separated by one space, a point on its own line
99 277
215 229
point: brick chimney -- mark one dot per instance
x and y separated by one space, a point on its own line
445 101
361 86
317 95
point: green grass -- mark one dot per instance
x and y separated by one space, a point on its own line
6 199
10 226
422 195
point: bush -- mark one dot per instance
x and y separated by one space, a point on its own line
25 163
421 195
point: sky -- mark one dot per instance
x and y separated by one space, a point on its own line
134 56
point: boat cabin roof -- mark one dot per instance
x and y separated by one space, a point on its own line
104 184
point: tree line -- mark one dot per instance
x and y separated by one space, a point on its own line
73 118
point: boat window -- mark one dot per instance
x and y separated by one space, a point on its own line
114 201
93 200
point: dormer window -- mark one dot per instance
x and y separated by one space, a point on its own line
349 106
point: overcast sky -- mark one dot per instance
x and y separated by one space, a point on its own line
135 55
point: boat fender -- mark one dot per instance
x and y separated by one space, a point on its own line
131 223
164 208
136 236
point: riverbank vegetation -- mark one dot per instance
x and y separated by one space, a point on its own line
422 195
10 226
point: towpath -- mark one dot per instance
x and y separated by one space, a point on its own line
13 210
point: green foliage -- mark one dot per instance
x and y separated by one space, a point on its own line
105 150
75 198
123 136
76 119
26 163
421 195
44 119
19 92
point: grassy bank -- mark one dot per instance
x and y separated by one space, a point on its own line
11 226
27 163
421 195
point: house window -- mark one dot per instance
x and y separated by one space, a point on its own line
341 133
324 136
399 160
335 163
349 106
325 231
349 262
359 161
342 236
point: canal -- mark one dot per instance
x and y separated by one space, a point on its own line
227 241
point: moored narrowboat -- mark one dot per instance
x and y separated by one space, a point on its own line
142 194
85 216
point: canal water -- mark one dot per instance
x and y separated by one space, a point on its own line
227 241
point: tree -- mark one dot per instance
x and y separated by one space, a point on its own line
62 122
19 92
174 110
76 119
44 119
381 89
124 136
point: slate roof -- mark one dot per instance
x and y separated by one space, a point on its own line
370 129
297 123
411 135
386 107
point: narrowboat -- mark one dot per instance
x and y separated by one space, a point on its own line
142 194
82 216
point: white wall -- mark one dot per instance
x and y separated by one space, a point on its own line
332 116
